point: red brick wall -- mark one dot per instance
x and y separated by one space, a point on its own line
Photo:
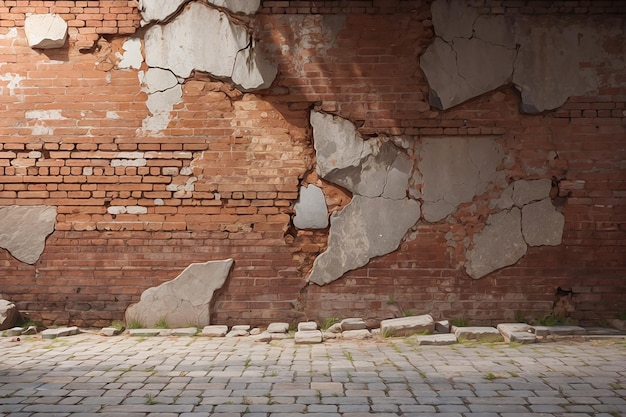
249 153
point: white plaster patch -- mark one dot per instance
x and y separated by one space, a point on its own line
44 115
14 82
140 162
11 34
112 115
40 130
161 105
127 210
132 57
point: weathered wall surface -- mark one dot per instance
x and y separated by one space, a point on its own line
154 162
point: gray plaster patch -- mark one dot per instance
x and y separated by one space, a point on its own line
475 54
337 144
202 38
498 245
522 192
45 31
311 209
454 171
542 224
548 68
369 168
362 230
24 229
184 300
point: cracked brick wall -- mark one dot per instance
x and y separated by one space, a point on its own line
221 180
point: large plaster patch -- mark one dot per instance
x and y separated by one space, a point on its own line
24 229
185 300
454 171
377 173
546 61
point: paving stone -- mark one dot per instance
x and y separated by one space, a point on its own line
405 326
356 334
303 337
145 332
214 331
436 339
481 334
278 327
261 337
353 324
237 332
59 332
543 331
110 331
517 332
185 331
307 325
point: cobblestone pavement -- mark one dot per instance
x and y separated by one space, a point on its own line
88 375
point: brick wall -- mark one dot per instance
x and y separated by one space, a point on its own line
70 137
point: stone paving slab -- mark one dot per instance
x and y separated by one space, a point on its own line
89 375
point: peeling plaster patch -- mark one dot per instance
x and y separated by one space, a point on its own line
548 68
44 115
498 245
377 173
474 54
112 115
132 57
205 39
182 190
14 82
185 300
522 192
368 168
40 130
158 80
159 10
11 34
311 209
127 210
139 162
45 31
238 6
362 230
160 104
454 171
542 224
24 229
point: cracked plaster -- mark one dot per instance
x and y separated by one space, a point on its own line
499 244
377 173
449 172
24 229
454 171
473 54
192 36
184 300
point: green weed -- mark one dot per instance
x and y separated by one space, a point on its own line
161 324
329 321
459 322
